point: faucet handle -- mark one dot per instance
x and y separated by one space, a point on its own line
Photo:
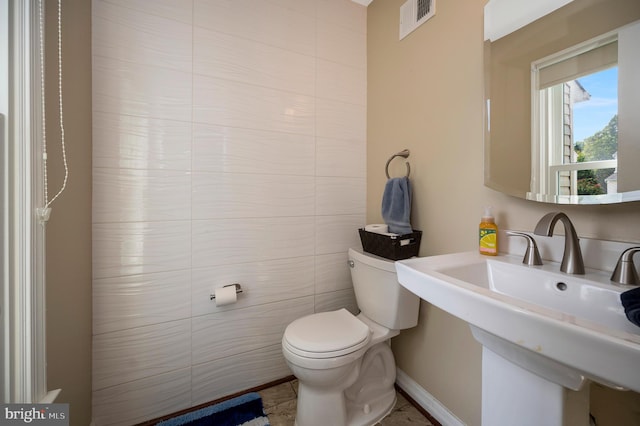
532 255
625 271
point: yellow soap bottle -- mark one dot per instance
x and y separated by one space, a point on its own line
488 234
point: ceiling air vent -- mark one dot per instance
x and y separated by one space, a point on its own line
415 13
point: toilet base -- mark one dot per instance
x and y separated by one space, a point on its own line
371 413
372 396
356 415
368 398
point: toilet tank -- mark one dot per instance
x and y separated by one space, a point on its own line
380 296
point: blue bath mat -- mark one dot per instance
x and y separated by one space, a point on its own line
245 410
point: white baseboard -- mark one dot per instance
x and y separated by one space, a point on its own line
426 400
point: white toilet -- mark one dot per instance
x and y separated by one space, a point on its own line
344 365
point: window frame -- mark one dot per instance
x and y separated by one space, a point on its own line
21 190
547 123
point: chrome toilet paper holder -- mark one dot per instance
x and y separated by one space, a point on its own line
237 286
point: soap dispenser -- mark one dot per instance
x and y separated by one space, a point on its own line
488 234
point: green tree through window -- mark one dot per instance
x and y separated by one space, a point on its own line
600 146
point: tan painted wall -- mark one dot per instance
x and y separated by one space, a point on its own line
425 94
68 236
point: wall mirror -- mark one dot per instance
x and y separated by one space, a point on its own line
563 105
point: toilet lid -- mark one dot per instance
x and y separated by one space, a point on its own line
327 334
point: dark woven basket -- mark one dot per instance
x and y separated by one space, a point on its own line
389 247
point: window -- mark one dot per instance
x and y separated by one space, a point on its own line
22 253
575 116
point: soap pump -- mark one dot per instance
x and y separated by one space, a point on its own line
488 234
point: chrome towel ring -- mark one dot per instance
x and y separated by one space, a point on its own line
404 154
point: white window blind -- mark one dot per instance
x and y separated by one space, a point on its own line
597 59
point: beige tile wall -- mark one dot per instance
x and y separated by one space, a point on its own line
229 146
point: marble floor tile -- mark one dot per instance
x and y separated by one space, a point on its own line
407 415
280 406
283 414
276 395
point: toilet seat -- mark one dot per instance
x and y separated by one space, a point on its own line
326 335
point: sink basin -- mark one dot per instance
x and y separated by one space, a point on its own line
563 328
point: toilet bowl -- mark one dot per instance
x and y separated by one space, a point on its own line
343 363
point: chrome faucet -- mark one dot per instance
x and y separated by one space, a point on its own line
532 255
625 271
572 262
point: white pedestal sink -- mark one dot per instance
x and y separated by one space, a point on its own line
545 334
512 395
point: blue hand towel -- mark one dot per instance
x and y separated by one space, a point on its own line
396 205
631 301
